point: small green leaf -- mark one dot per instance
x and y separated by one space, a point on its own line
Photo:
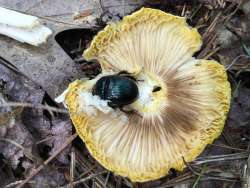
245 49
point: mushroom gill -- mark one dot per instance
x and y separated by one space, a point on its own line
182 104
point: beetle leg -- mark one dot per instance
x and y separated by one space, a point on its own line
126 74
130 112
91 68
113 105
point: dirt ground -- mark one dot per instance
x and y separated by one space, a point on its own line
34 129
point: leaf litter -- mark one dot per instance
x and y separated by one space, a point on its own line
35 129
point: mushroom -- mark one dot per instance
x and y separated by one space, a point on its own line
182 104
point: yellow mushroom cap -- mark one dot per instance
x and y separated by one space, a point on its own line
176 122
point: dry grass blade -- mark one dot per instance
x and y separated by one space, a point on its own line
210 40
70 139
44 18
84 179
88 171
236 156
210 35
209 176
186 177
183 12
25 151
213 51
9 65
84 167
45 140
233 12
229 147
235 60
195 11
248 172
199 177
12 142
37 106
93 9
31 182
72 167
211 27
106 180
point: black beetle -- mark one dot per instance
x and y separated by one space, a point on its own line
119 89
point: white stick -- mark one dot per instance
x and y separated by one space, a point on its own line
22 27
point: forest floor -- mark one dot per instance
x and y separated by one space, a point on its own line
39 147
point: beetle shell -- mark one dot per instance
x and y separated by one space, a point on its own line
118 90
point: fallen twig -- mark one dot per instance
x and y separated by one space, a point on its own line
70 139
